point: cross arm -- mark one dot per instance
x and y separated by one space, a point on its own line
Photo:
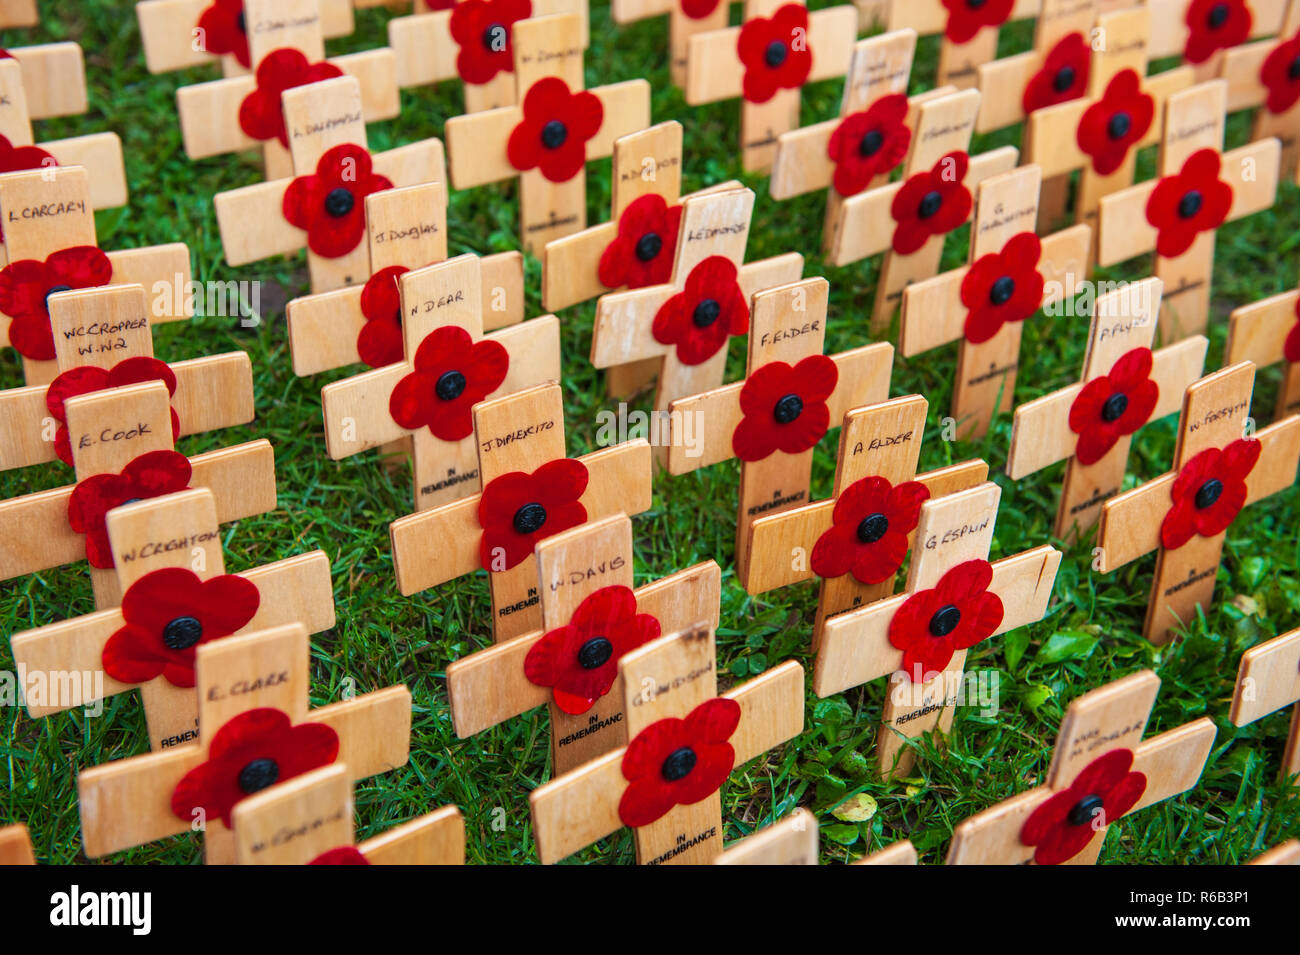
101 154
930 18
629 11
1271 671
434 839
374 730
426 53
1257 332
900 853
1002 86
54 79
164 272
789 841
802 163
983 839
1173 761
1170 31
16 846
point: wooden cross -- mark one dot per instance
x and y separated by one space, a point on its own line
1102 770
1269 680
1084 424
1288 853
765 61
1219 467
1201 33
1264 332
1177 214
538 492
18 13
793 840
547 139
899 853
878 443
256 728
954 600
685 19
969 31
685 740
16 845
1260 77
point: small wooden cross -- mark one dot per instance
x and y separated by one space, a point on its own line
954 600
1089 428
686 739
899 853
256 728
1220 466
1267 681
547 139
1177 214
1201 31
765 61
1260 77
1264 332
18 13
969 30
685 19
1288 853
16 845
530 492
1102 770
793 840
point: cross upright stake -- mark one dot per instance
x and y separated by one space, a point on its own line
1269 680
16 845
686 18
1265 332
1202 31
19 13
969 29
1260 77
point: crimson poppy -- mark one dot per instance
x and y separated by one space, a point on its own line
1113 405
699 319
343 855
678 762
26 285
1191 201
152 474
931 203
379 342
774 52
1280 75
784 407
869 143
642 252
330 204
224 30
1215 25
580 660
552 135
254 750
517 509
1003 286
85 379
1208 492
1063 75
968 17
957 613
481 29
261 115
869 529
1291 348
1111 125
1063 825
452 374
168 613
698 9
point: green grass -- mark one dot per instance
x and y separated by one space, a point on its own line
382 638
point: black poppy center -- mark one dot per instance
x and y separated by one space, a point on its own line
1208 493
1190 204
1063 79
1293 71
678 765
595 653
258 774
873 527
930 204
1119 125
1084 810
529 518
1218 16
1114 407
975 4
450 385
181 633
134 500
945 621
240 23
492 35
339 202
706 313
55 290
648 246
775 54
870 143
1002 290
554 134
787 409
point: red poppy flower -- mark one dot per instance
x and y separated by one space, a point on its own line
1063 825
868 533
698 9
85 379
17 158
343 855
223 30
517 509
1280 75
931 203
330 204
774 52
26 284
481 28
699 319
1110 126
676 762
1113 405
1063 76
552 136
379 342
1192 201
168 613
968 17
580 659
784 408
1215 25
261 116
254 750
1208 492
642 252
452 374
869 143
1291 348
1002 287
955 614
152 474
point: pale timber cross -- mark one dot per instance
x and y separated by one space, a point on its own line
546 139
1288 853
685 19
1265 332
1202 31
1102 771
955 599
1090 425
969 30
1268 680
176 596
1221 464
1265 76
16 845
256 728
685 740
591 617
794 840
19 13
531 491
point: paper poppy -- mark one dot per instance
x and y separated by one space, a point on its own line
1063 825
1215 25
642 252
931 203
868 534
967 17
1291 347
261 115
379 342
869 143
481 29
1063 75
517 509
698 9
86 379
1208 492
1113 405
343 855
678 762
580 660
452 374
957 613
784 407
224 30
1003 286
254 750
168 613
1280 75
552 136
18 158
1191 201
152 474
774 52
25 286
699 319
330 204
1113 124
